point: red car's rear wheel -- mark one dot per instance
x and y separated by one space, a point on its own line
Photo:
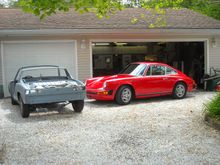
179 91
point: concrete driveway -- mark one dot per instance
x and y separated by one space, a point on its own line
149 131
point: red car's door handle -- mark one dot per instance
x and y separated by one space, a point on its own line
165 78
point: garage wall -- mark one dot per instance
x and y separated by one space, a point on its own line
83 59
1 82
0 64
214 54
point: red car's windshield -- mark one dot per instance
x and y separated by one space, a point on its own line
134 69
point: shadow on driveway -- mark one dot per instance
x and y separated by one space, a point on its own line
12 112
112 104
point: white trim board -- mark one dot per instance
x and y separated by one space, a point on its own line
2 63
39 41
152 40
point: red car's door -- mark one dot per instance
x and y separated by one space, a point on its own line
155 81
170 79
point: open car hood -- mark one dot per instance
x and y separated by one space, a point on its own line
52 84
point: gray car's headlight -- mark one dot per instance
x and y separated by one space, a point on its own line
80 87
30 91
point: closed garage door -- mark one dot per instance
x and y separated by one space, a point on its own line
26 53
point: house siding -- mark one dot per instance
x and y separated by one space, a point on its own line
1 81
214 54
83 60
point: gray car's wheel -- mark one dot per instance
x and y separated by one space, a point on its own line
13 102
25 112
78 105
179 91
124 95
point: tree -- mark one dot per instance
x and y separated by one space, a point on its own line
44 8
13 4
208 7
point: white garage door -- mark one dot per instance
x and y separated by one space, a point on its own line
26 53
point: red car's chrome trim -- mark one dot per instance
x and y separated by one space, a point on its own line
157 93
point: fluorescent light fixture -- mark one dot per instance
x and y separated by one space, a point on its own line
102 44
120 43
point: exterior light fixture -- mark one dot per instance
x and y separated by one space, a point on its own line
213 41
83 44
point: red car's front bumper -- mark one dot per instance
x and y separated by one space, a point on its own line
100 94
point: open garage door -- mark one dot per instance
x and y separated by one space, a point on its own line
111 57
17 54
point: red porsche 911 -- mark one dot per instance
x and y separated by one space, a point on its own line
140 80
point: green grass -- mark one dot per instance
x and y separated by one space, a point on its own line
213 107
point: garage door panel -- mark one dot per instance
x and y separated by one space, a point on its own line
18 54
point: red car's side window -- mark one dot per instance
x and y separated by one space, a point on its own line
155 70
170 71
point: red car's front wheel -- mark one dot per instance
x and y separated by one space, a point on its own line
124 95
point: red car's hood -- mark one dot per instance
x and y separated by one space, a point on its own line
97 82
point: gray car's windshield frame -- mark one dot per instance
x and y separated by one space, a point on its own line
21 71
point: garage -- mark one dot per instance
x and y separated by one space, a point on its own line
17 54
189 57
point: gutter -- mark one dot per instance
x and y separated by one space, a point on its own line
47 32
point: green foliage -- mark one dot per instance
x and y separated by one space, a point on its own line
42 8
104 8
213 107
208 7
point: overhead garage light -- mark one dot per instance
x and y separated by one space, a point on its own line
102 44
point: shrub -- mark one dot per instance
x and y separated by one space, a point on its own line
213 107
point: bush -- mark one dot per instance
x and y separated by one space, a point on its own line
213 107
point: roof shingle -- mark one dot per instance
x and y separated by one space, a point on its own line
16 19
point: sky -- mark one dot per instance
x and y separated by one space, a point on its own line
4 1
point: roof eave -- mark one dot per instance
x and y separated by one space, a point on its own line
49 32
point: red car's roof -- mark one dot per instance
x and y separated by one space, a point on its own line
149 63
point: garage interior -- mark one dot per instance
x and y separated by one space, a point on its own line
110 58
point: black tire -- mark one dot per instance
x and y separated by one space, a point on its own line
25 112
179 91
124 95
13 102
78 105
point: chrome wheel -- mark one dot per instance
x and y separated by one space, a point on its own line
126 95
180 90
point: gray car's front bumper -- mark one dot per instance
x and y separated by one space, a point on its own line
54 95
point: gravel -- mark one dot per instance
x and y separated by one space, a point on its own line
149 131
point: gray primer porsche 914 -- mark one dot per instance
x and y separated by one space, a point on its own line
35 86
